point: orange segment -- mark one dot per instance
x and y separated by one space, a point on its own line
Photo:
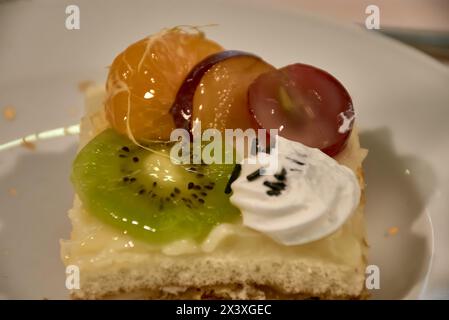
143 81
220 100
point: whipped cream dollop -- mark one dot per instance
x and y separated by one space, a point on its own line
307 197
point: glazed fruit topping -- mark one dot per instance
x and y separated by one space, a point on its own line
143 81
305 104
215 91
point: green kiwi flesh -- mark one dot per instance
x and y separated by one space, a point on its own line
146 194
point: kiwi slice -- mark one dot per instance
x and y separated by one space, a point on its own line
147 194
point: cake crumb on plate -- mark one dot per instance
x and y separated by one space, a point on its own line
12 192
9 113
28 145
392 231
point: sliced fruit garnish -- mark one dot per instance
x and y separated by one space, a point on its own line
215 91
144 79
146 194
305 104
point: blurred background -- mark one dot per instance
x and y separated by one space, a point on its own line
421 23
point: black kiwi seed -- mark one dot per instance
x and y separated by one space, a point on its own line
254 175
201 200
194 195
296 161
209 187
177 190
141 191
281 176
273 192
197 187
190 185
125 179
125 148
276 186
203 194
132 179
135 159
122 156
234 175
200 175
154 183
172 195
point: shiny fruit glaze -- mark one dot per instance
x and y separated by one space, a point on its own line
221 97
143 81
305 104
215 91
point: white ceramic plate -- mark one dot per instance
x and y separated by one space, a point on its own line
401 97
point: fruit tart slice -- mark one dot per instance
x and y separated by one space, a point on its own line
146 226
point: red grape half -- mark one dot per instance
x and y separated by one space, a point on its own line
305 104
